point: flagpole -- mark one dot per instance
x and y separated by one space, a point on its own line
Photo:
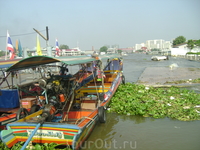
6 45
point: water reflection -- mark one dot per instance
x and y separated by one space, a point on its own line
136 119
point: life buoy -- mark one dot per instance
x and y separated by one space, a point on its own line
22 113
102 114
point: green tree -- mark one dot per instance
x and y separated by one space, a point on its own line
2 53
197 43
179 40
155 49
103 49
190 44
119 51
63 47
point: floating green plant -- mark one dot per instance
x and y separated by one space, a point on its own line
45 146
173 102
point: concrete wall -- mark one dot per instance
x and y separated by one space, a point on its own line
179 51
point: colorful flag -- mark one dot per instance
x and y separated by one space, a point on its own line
57 48
10 47
19 49
39 52
16 46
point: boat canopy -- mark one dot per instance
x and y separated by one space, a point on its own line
35 61
7 63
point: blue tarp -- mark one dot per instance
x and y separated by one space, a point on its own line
9 98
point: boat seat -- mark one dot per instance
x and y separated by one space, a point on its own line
90 105
94 89
110 77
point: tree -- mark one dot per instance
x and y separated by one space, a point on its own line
190 44
2 53
193 43
155 49
103 49
63 47
119 51
179 40
197 43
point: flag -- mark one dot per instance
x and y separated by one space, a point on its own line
19 49
39 52
57 48
16 46
10 47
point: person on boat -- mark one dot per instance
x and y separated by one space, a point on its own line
64 70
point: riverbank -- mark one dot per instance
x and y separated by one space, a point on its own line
169 76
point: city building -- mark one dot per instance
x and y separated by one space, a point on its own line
154 44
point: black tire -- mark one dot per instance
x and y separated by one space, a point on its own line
102 114
101 96
22 113
123 79
34 108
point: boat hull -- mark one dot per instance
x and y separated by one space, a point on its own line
157 58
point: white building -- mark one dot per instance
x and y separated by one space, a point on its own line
139 46
72 52
158 44
182 49
154 44
111 50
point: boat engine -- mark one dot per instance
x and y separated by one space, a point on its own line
56 91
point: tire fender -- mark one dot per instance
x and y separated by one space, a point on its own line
102 114
34 108
22 113
123 79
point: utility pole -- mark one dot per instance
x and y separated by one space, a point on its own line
49 51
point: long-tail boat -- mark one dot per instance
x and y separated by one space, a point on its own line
73 103
9 101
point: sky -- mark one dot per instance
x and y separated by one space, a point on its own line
94 23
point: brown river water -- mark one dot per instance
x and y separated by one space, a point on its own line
136 132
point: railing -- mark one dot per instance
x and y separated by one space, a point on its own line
189 57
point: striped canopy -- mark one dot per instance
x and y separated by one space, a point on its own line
8 63
35 61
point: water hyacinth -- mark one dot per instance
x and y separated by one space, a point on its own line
176 103
45 146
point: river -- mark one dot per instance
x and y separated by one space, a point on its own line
136 132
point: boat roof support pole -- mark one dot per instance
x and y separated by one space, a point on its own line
102 76
5 78
31 136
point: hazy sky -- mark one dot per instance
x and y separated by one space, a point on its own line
88 23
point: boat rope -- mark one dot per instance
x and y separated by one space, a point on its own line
70 104
84 117
80 74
